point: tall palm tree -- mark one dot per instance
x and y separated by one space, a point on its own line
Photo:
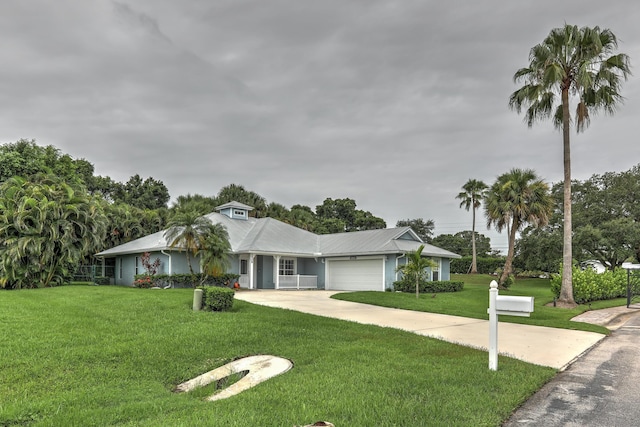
188 230
579 65
416 266
516 199
471 197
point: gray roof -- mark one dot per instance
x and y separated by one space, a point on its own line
270 236
234 204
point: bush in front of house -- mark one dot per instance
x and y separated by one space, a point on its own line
184 280
591 286
215 298
409 286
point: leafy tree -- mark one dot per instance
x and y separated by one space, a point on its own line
234 192
189 231
516 199
340 215
424 229
471 197
147 194
578 64
611 242
415 268
460 243
26 159
46 228
540 248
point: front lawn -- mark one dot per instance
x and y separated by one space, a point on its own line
103 355
473 302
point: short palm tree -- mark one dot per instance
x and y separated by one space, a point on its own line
188 230
517 198
471 198
214 255
415 268
579 65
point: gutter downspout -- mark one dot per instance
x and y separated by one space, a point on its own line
169 256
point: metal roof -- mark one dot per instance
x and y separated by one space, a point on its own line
270 236
234 204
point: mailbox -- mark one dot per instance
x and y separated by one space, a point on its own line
514 306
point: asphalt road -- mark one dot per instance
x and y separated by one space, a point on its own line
601 389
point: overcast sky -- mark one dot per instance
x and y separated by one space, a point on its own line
395 104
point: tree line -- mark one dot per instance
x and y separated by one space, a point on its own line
55 213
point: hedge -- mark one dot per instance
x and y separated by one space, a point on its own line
427 287
590 286
216 298
184 280
485 265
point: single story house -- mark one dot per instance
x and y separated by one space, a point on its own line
269 254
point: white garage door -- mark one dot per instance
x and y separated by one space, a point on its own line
355 275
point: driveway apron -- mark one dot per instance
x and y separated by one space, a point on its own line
600 389
544 346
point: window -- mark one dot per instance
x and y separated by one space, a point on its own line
287 267
435 270
243 266
120 268
137 263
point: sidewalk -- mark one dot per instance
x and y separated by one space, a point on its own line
544 346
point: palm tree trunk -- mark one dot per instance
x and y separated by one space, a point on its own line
566 289
506 271
417 286
474 265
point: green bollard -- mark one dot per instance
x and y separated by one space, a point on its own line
197 299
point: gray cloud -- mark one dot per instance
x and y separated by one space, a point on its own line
392 103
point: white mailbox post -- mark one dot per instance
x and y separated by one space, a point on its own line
508 305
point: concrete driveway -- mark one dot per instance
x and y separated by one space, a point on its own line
544 346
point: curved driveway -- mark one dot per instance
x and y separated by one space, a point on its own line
544 346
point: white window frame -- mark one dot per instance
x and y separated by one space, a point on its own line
287 267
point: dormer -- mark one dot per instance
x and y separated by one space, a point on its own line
235 210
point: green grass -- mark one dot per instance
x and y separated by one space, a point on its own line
111 356
473 302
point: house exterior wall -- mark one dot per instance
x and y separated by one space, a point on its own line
125 268
445 269
390 271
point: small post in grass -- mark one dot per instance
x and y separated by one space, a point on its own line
197 299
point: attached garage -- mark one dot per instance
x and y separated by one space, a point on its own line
355 275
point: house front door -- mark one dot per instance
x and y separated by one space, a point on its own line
244 271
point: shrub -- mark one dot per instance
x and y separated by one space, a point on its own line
216 298
534 274
185 280
427 287
143 281
591 286
101 280
486 265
